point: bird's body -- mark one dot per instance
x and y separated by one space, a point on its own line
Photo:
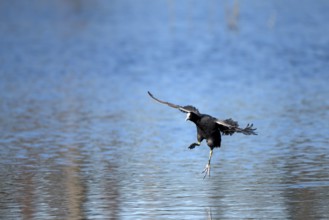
209 128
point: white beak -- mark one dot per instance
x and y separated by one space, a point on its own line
187 116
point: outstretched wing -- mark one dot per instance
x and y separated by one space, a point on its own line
229 127
185 109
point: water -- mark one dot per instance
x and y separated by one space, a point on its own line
81 139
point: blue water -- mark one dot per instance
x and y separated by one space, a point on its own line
81 139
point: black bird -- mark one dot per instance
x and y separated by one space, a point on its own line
209 128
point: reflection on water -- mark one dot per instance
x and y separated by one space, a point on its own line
81 139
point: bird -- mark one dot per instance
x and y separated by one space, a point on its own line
209 128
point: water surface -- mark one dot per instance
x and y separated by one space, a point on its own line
81 139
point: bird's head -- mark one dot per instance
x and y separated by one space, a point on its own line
191 116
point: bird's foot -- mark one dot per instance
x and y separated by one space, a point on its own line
206 171
192 146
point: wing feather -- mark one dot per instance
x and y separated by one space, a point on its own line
229 127
185 109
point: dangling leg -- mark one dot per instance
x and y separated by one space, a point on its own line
194 145
199 138
207 169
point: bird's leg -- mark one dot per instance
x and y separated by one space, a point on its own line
194 145
207 169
